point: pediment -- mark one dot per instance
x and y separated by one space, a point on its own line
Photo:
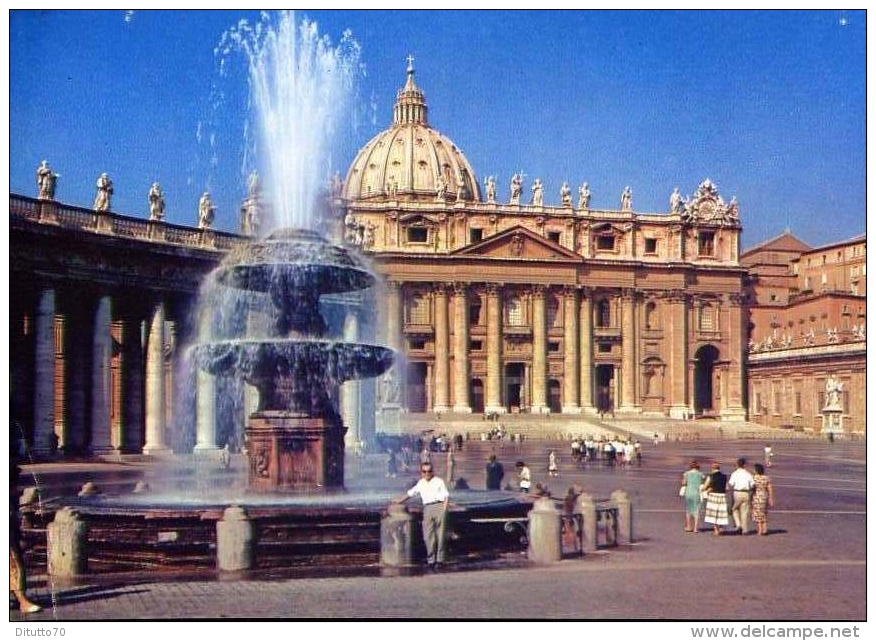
518 243
418 220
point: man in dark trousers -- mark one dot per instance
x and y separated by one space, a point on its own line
495 473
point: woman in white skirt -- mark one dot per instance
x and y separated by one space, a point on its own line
715 488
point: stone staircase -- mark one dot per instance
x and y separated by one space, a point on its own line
566 426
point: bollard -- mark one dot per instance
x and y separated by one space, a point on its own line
235 536
29 496
545 526
65 544
396 537
586 507
624 505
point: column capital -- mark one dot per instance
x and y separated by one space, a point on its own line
440 289
570 291
493 289
539 290
460 288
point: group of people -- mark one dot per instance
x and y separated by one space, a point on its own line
743 495
610 451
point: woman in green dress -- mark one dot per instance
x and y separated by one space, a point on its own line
691 481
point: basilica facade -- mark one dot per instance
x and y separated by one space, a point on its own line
510 305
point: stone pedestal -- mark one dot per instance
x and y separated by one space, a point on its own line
832 421
621 500
586 507
545 539
235 540
288 452
396 538
388 418
66 544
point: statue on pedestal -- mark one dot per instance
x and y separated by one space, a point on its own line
441 189
584 196
491 189
566 195
833 389
537 193
104 193
627 199
156 202
46 181
675 201
206 211
516 188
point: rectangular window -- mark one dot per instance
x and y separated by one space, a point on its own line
845 401
476 346
650 245
416 343
554 236
777 399
605 347
707 243
605 242
798 403
475 235
758 403
418 234
474 312
553 346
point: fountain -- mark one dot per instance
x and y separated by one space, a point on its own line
294 503
296 436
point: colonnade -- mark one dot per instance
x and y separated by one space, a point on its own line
449 370
101 369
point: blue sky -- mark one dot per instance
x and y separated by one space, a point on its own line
770 105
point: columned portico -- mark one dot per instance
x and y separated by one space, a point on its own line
571 366
155 384
460 350
350 401
539 351
628 338
44 373
442 351
678 355
494 350
205 422
101 377
586 334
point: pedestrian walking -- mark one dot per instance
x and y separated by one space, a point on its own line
768 455
742 483
451 463
553 469
495 471
763 498
716 499
392 465
691 482
524 477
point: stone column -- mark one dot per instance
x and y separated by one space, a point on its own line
442 351
678 356
350 389
460 350
396 538
628 347
493 390
571 365
205 408
155 396
101 378
586 345
393 324
621 500
62 329
539 350
44 374
732 326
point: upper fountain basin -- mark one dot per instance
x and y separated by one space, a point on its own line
297 259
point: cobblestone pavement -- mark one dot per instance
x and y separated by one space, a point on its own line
811 567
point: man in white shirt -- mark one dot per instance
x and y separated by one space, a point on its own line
433 492
742 484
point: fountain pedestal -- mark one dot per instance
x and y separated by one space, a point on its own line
294 453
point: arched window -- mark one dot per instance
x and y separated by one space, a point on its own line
514 312
417 310
603 313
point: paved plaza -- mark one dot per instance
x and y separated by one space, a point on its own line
811 567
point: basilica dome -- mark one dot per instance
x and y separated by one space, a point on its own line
411 160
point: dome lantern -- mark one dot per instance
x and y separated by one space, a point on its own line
410 106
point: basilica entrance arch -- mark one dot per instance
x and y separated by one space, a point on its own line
704 375
605 388
476 394
415 390
514 386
